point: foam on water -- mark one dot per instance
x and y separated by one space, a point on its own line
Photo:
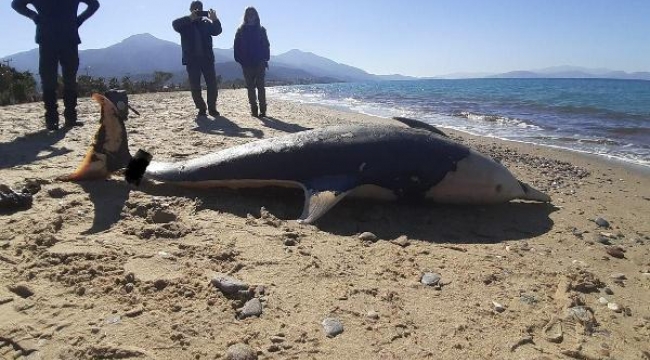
604 117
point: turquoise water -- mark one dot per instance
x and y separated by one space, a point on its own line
599 116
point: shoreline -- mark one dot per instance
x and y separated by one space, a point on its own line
87 270
640 169
346 108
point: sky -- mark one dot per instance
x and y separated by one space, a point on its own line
408 37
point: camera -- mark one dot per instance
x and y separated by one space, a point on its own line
202 13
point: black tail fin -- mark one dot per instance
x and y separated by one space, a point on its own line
137 167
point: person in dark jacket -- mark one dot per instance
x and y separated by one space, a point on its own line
252 52
57 35
198 56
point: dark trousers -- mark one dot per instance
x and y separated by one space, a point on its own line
195 69
254 77
51 55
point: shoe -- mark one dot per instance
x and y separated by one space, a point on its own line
214 113
52 127
262 110
71 119
202 112
70 124
52 121
254 111
262 115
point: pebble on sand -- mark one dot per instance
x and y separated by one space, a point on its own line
498 307
228 285
253 307
430 278
614 307
332 327
240 352
602 222
21 290
368 236
372 315
615 251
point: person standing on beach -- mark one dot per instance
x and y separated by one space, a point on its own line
198 56
252 52
57 34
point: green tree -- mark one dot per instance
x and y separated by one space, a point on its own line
160 79
127 84
16 87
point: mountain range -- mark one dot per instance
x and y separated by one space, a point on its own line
141 55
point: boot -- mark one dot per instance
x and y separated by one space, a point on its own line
262 110
254 110
71 118
51 120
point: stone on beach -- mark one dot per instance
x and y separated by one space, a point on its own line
332 326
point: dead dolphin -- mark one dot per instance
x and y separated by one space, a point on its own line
329 163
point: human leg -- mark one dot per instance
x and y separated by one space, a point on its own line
261 90
69 67
48 67
249 77
194 75
210 76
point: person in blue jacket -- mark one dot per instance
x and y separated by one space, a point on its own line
252 52
198 56
57 35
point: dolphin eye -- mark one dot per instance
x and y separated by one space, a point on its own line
498 188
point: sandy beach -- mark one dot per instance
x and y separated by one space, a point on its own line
105 270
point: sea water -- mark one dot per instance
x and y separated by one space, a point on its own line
600 116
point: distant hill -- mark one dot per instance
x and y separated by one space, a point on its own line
574 72
143 54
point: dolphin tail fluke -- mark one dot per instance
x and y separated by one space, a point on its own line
110 149
137 167
533 194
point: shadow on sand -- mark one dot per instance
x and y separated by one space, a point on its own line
421 221
27 149
223 126
280 125
108 198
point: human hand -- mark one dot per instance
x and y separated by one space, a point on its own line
212 15
194 15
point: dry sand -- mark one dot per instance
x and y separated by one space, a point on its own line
105 270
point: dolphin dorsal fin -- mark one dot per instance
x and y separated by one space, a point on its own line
418 124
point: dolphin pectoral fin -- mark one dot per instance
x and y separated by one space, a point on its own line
317 203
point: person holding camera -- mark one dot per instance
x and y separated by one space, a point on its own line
252 52
196 42
57 36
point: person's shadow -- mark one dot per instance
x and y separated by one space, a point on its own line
280 125
30 147
221 125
